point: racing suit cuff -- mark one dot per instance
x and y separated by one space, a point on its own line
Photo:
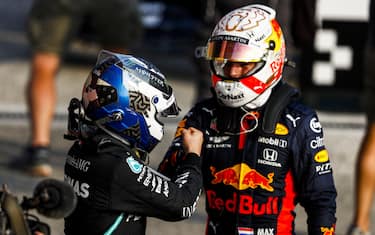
192 159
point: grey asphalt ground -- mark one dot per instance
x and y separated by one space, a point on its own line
343 131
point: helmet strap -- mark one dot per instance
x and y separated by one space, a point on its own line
282 95
228 123
245 129
112 134
141 154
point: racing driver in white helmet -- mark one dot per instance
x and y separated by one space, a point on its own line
114 127
264 150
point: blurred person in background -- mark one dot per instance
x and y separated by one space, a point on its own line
365 168
52 25
114 127
263 150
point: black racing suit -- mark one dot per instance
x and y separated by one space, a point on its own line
254 180
116 191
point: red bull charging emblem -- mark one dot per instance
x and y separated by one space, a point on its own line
327 231
241 177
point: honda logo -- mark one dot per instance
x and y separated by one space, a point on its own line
269 155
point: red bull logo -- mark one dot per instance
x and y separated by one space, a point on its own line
327 231
241 177
243 204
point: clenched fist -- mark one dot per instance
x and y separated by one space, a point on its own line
192 140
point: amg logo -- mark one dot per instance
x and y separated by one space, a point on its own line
78 163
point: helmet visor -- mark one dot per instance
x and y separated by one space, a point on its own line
234 51
244 69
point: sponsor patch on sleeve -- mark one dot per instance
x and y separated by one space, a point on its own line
281 129
134 165
321 156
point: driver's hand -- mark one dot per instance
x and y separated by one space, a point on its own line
192 140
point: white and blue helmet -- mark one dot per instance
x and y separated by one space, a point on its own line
124 95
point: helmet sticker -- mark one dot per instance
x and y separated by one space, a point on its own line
242 19
140 103
229 38
133 131
146 72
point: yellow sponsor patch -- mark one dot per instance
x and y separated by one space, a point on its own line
321 156
281 129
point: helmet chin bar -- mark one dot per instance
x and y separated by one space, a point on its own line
260 100
238 95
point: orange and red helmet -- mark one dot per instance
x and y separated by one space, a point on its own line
247 34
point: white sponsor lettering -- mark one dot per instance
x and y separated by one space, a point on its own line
157 182
147 180
133 218
80 188
166 189
218 139
323 168
273 141
158 185
218 146
150 76
78 163
317 142
264 162
182 179
265 231
187 211
231 97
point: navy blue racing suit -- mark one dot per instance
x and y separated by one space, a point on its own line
254 178
116 191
